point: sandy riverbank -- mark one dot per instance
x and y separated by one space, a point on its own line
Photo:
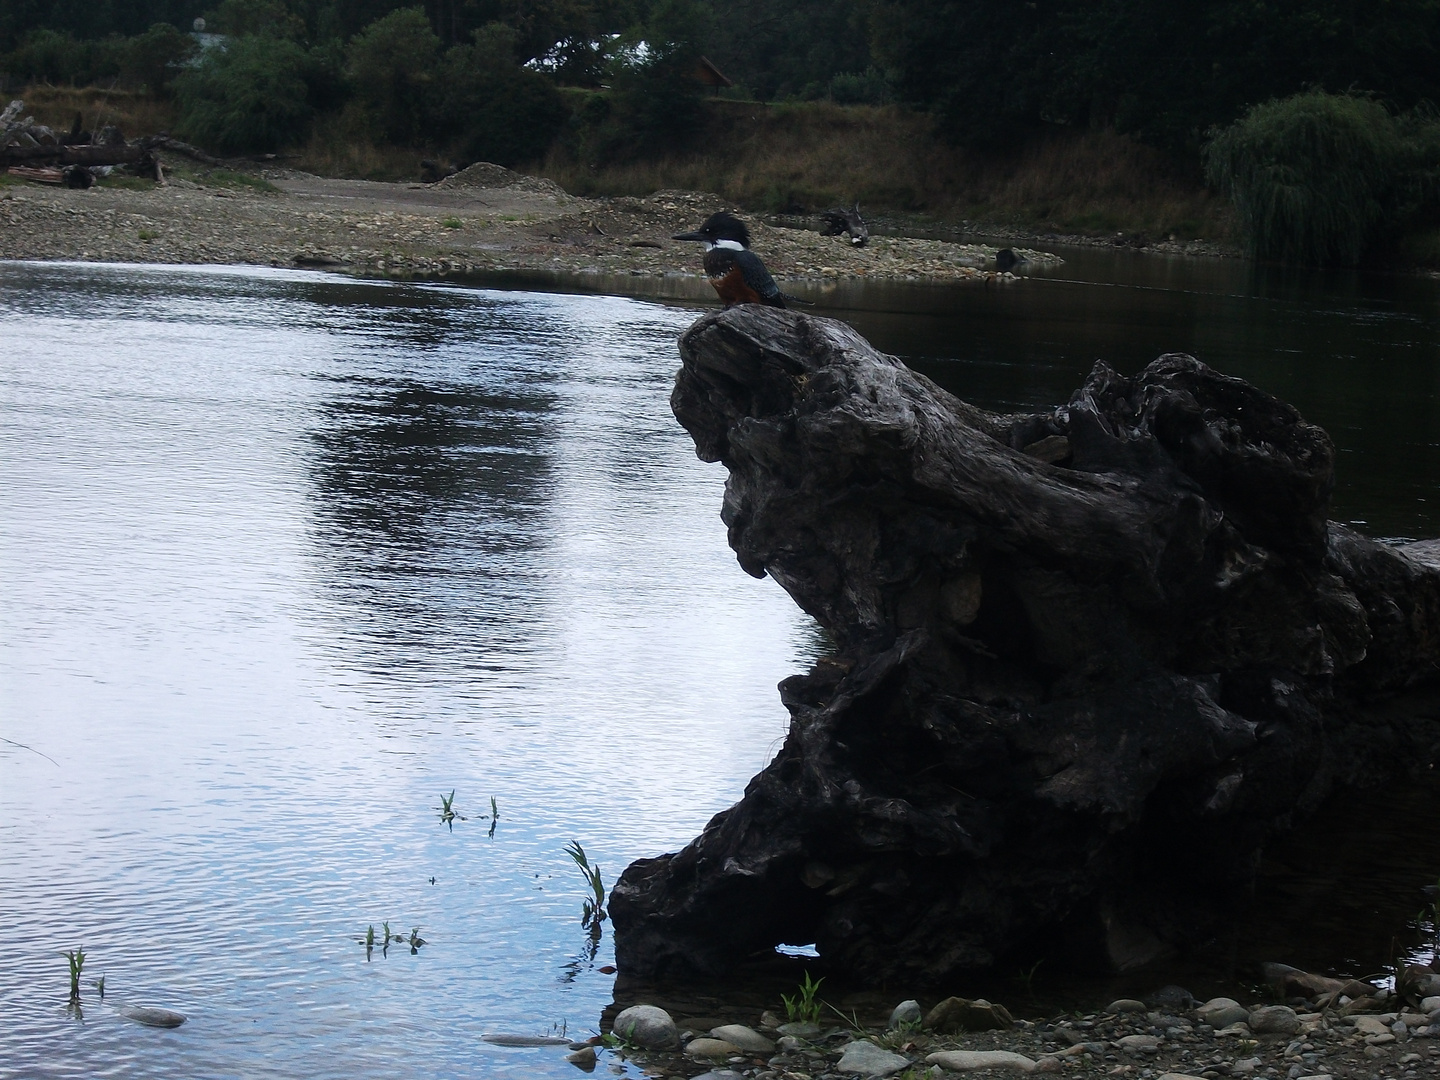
489 220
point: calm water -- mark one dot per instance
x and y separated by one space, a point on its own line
289 556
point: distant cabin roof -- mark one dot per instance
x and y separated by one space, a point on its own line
709 74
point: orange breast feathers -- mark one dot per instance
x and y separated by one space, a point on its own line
733 288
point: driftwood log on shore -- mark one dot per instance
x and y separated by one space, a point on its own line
1088 661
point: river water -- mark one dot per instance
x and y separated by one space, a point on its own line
290 556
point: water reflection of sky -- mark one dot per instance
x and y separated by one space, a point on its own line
287 557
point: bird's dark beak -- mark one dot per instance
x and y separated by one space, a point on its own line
687 236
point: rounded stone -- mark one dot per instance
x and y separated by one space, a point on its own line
152 1017
648 1026
967 1060
1221 1012
582 1059
747 1039
1274 1020
864 1058
710 1048
907 1012
1126 1005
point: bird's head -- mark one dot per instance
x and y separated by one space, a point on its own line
719 230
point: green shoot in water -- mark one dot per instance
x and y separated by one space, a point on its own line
77 964
803 1008
416 941
593 913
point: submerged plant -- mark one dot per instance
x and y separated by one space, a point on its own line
416 941
77 965
593 912
99 985
803 1008
447 810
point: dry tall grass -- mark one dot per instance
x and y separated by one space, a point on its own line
133 112
813 155
779 157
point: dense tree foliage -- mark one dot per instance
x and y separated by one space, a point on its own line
1163 69
1166 71
251 95
1323 178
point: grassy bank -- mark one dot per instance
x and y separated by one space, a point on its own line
809 156
789 157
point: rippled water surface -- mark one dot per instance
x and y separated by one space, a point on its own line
287 557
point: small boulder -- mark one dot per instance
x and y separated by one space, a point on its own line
648 1026
864 1058
747 1039
1126 1005
151 1016
1137 1044
1430 1005
710 1048
1371 1025
968 1060
583 1059
961 1014
1274 1020
907 1012
1221 1012
800 1030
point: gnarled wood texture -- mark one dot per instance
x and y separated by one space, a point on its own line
1088 661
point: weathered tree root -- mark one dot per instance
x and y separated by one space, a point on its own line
1089 660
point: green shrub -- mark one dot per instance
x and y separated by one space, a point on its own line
491 109
391 66
155 58
1315 178
52 57
248 96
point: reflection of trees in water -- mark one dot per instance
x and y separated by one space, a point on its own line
429 501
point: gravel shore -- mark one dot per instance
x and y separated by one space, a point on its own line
483 220
1174 1039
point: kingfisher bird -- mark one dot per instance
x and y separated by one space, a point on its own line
736 272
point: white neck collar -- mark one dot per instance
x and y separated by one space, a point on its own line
728 245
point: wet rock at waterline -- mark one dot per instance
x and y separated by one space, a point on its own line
583 1059
648 1026
151 1016
747 1039
502 1039
1071 698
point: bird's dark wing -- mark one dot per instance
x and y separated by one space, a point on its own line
758 278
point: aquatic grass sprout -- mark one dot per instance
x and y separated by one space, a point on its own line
593 912
76 957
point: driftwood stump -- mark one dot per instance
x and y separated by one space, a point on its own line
1088 661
